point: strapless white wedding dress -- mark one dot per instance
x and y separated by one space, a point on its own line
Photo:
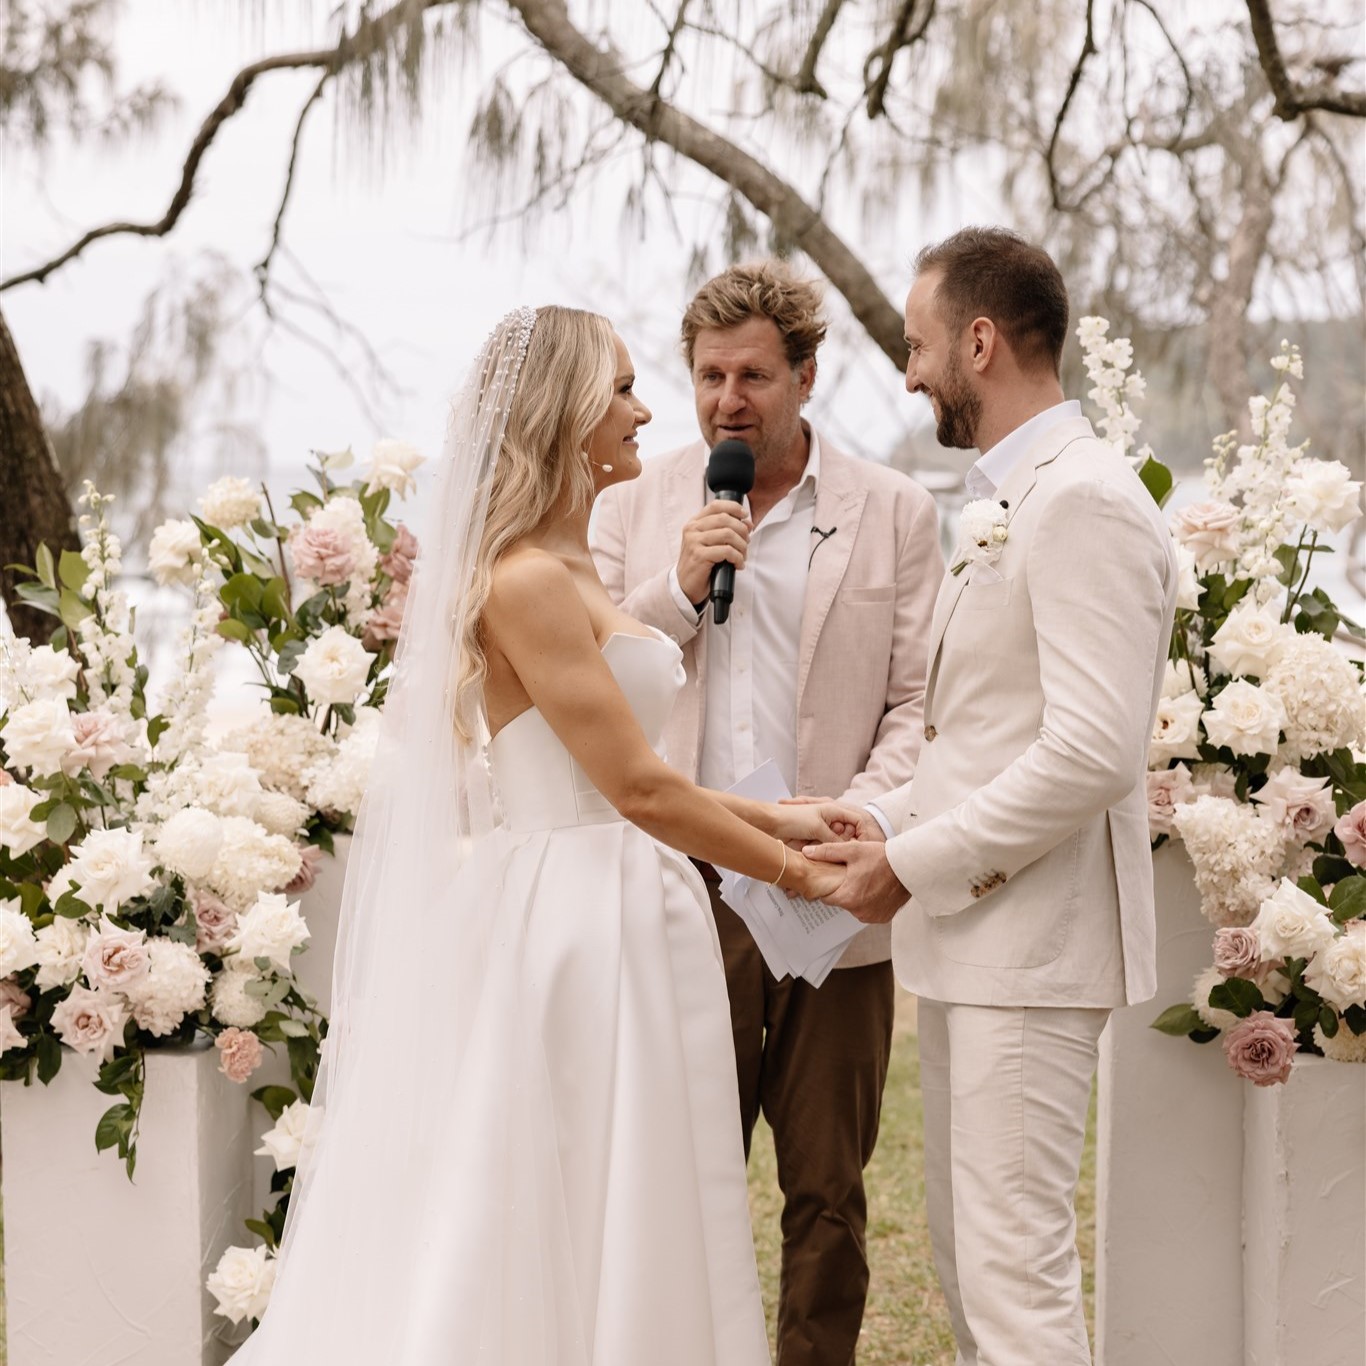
587 1204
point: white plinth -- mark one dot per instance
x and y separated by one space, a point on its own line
102 1272
1304 1217
1169 1167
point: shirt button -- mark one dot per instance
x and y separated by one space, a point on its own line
930 732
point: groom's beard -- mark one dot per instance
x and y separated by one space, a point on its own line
960 410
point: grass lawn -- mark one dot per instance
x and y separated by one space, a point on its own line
907 1323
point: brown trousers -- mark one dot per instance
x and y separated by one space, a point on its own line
814 1061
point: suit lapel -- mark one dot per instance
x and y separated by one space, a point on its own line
839 505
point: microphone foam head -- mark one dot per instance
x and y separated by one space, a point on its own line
730 467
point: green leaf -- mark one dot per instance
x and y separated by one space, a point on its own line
1328 1022
276 1099
241 590
1310 887
290 656
1157 479
282 704
156 728
115 1127
1178 1020
131 772
42 562
294 1029
1348 901
1356 1019
232 629
49 1057
44 599
1237 995
304 503
61 823
262 1230
70 906
72 609
73 570
267 530
275 598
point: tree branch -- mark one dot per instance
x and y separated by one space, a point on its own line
1292 100
601 72
806 82
1088 50
903 34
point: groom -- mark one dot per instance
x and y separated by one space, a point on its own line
1021 879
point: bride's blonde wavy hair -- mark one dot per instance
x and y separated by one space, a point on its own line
562 394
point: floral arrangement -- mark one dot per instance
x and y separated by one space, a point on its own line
1256 762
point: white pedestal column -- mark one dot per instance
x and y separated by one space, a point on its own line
1304 1217
102 1272
1169 1166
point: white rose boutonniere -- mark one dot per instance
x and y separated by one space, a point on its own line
982 531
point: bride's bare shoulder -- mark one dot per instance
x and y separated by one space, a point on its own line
531 583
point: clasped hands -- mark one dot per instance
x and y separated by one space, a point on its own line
851 845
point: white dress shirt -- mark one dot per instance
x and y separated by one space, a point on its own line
751 669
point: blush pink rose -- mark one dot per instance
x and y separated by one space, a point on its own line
398 563
321 554
1209 531
1237 951
215 924
1167 790
1261 1048
115 958
385 624
310 860
5 779
99 744
242 1053
14 996
1351 830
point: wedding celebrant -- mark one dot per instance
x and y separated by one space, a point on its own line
1021 876
819 668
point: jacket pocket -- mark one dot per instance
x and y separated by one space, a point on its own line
876 593
979 595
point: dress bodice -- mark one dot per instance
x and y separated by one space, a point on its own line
540 784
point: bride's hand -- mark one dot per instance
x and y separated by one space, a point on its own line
816 880
797 820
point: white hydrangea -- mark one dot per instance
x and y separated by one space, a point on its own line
280 813
18 945
251 860
282 749
174 554
189 842
230 1001
227 784
1338 970
1320 692
18 832
172 988
271 928
111 867
38 736
242 1283
1344 1046
60 951
1213 1016
1234 853
230 502
340 784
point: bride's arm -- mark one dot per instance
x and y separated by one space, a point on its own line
537 620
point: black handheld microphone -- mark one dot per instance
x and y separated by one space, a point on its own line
730 475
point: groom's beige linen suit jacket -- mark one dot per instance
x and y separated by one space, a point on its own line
1024 832
869 591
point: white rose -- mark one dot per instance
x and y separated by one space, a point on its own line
242 1282
1303 807
188 843
272 928
51 673
1323 494
1183 677
279 813
1187 581
115 959
1209 531
1251 639
1291 924
61 948
111 867
1338 971
10 1037
38 735
393 466
231 1002
284 1142
1246 718
334 667
1176 729
230 502
19 833
172 989
100 744
91 1022
227 784
175 553
18 944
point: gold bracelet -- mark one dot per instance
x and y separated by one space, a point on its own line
777 881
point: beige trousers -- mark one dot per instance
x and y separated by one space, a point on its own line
1006 1091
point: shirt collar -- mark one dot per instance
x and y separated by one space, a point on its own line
992 468
810 475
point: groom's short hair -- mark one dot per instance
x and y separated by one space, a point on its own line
762 289
994 273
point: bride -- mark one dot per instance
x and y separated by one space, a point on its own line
524 1145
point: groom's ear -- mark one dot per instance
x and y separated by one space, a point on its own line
983 337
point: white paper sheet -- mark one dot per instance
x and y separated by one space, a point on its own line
797 938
